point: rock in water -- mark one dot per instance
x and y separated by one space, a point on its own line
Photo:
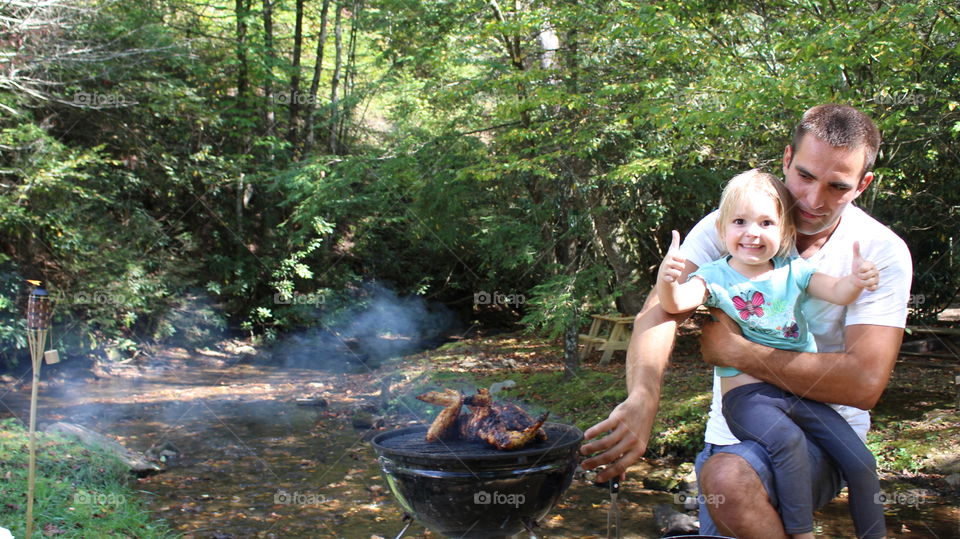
500 386
673 522
365 420
318 402
135 460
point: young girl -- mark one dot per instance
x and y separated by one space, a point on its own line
762 288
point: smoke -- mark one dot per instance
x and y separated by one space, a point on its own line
184 407
378 325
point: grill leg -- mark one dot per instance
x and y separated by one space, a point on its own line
529 526
409 520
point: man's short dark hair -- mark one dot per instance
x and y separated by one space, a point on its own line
840 126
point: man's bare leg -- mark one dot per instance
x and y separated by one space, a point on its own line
742 509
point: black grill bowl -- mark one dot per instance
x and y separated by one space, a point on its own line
471 490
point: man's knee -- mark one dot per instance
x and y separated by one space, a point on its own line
735 495
725 473
740 506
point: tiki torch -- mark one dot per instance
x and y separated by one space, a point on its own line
38 324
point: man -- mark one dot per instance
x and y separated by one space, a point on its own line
826 167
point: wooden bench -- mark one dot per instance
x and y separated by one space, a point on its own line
608 333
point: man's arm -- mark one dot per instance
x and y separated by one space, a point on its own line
630 423
855 377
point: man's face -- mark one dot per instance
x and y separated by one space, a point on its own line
824 180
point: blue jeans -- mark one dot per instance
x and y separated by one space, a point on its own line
796 465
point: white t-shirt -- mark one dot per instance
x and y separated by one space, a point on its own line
885 306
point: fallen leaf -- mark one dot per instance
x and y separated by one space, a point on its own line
52 529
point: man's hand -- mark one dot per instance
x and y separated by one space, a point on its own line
624 445
673 263
864 273
721 341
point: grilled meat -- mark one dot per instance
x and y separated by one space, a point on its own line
496 435
444 425
502 425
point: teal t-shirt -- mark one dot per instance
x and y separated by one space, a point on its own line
768 311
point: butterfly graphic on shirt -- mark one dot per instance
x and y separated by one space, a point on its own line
749 307
792 331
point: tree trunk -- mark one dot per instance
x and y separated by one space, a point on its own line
561 233
315 83
349 72
607 230
515 51
239 206
293 128
269 117
549 44
571 349
242 9
568 256
335 83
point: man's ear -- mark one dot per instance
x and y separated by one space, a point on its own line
865 181
787 158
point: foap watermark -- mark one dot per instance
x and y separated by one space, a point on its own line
98 498
94 99
916 300
282 497
285 98
96 298
497 298
910 498
498 498
297 298
899 99
689 498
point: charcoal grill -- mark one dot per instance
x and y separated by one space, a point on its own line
471 490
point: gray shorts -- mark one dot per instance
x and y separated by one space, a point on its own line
825 481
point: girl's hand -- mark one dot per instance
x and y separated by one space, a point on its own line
673 263
865 273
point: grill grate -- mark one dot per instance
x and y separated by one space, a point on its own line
412 441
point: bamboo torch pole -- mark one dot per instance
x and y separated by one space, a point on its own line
38 323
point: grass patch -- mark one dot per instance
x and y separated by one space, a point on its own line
80 492
916 425
920 445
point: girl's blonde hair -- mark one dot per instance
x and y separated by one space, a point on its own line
756 181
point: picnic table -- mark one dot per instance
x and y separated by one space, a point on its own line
608 332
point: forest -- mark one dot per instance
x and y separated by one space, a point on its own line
176 168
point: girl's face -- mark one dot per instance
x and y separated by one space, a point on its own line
752 234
